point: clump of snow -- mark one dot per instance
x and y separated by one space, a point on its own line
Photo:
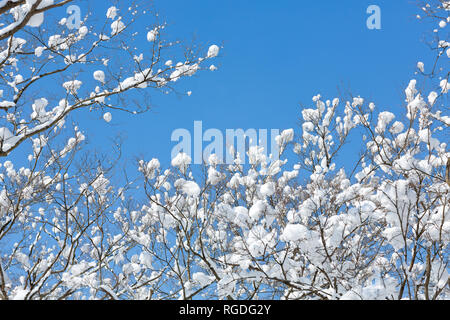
36 20
350 295
285 137
39 108
139 58
5 134
184 70
214 176
445 86
145 259
294 232
384 118
111 13
45 3
213 51
151 168
6 104
181 161
38 51
421 66
117 27
99 75
202 279
397 127
83 31
190 188
72 86
19 294
151 35
268 189
107 117
23 259
432 97
411 90
257 210
57 42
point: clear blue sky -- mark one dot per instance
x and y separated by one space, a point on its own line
276 55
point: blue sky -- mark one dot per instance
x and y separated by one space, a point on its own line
276 56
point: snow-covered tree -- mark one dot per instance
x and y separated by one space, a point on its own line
53 66
310 225
54 61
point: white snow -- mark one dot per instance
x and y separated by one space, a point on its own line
8 140
350 295
213 51
384 118
38 51
111 13
145 259
151 35
5 134
39 108
99 75
445 85
257 210
190 188
36 20
421 66
268 189
294 232
181 161
117 27
19 294
7 104
285 137
153 164
214 176
184 70
72 86
151 168
432 97
202 279
83 31
107 117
